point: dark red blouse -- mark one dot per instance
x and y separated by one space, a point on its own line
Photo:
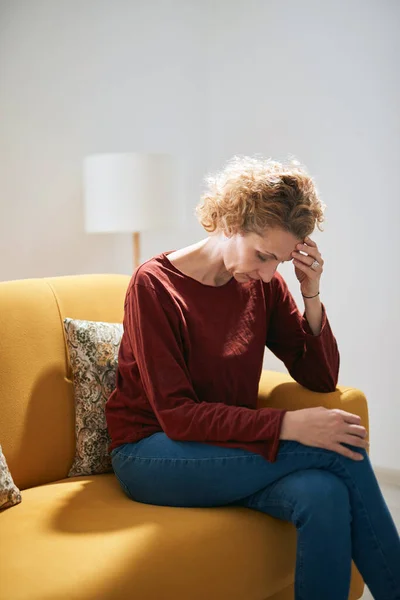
191 357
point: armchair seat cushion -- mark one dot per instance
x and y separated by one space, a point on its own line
81 538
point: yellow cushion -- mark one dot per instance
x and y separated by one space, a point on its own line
82 538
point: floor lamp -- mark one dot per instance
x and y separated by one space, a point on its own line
131 193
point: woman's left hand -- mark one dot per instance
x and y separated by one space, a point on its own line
309 278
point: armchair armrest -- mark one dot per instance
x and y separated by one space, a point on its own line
280 390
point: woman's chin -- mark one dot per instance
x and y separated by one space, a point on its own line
243 277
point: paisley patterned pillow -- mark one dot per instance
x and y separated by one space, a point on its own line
93 351
9 493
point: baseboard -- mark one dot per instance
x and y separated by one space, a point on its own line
388 476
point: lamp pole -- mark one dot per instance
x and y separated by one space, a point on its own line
136 249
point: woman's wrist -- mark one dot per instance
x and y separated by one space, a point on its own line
312 295
288 427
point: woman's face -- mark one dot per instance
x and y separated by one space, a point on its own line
250 256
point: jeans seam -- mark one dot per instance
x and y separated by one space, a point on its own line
299 578
209 458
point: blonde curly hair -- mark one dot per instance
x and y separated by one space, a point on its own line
254 194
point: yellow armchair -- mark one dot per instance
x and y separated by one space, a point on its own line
81 537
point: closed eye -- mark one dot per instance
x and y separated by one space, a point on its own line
266 258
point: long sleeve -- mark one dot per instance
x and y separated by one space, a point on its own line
312 360
152 324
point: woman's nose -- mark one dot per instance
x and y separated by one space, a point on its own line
268 274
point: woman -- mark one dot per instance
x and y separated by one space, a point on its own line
196 324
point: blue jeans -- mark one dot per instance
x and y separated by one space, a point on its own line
334 502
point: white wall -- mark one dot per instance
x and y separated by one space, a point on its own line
320 80
80 77
207 80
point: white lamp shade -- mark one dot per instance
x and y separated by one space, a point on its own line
132 192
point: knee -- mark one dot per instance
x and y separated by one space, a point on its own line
324 499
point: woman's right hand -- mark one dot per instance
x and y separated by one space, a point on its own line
325 428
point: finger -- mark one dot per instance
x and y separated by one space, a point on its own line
309 241
312 273
307 260
353 440
347 452
310 251
357 430
348 417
